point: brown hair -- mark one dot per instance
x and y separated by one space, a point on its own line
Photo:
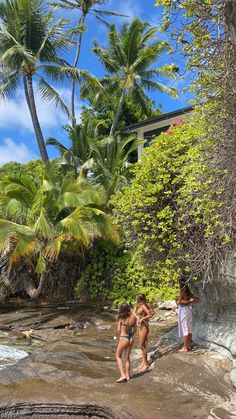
140 299
124 311
183 285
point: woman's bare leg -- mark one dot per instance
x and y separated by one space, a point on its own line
190 342
127 359
122 346
185 347
143 335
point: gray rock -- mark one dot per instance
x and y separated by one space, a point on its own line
168 305
215 316
233 376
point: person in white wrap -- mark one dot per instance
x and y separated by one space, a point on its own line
185 315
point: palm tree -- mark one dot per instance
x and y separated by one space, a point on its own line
112 165
129 58
108 167
79 157
45 219
30 45
86 7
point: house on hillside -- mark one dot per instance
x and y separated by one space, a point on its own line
151 128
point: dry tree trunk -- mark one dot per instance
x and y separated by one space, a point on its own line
230 19
29 286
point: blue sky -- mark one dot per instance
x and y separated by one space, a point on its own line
17 139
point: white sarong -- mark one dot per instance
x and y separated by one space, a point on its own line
185 320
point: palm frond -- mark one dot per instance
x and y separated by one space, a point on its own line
154 85
49 94
103 226
109 62
55 35
140 98
24 247
53 247
9 229
75 226
17 53
59 146
21 188
8 84
108 13
43 225
41 264
116 51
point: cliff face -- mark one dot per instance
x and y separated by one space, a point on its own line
215 316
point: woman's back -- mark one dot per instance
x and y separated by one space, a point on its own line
127 324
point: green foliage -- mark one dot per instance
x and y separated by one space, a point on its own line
169 202
33 168
112 275
101 113
129 59
42 219
106 161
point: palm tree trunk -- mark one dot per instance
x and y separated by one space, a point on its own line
118 113
29 94
30 287
77 55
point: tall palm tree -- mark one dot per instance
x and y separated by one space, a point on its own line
48 218
86 7
31 43
128 59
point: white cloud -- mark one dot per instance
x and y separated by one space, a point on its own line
130 8
14 113
11 151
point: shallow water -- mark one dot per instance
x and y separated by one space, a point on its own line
10 353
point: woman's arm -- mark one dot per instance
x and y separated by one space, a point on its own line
119 326
150 310
183 299
149 313
194 299
133 323
186 299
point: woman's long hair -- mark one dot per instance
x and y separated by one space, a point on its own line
140 299
124 311
183 286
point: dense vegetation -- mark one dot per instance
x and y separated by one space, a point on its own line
127 228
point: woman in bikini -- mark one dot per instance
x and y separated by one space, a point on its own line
143 312
126 328
185 315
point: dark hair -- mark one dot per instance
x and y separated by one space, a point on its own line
183 285
124 311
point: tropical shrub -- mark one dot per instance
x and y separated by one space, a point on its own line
170 209
43 220
112 275
206 37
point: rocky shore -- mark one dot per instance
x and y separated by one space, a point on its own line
71 370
